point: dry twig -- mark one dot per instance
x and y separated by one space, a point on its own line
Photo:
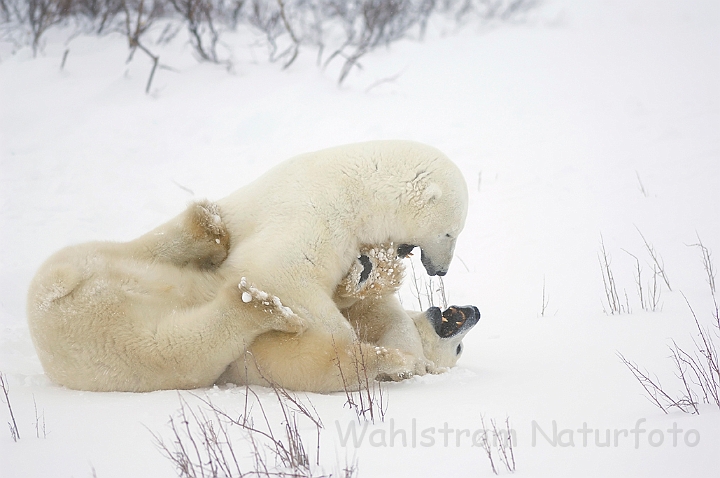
14 432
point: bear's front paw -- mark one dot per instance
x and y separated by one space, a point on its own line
394 365
434 369
423 366
278 316
291 323
395 377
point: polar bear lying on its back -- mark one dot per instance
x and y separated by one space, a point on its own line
165 310
374 279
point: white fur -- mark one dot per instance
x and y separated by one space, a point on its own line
165 310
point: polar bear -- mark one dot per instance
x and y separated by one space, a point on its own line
169 309
374 278
299 229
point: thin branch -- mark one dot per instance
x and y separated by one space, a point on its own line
656 258
14 432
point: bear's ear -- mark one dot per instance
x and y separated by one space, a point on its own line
432 192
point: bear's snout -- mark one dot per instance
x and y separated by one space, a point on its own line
454 320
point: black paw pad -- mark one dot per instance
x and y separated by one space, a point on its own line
367 268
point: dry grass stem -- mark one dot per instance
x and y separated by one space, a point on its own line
614 306
698 369
364 395
485 445
503 439
205 439
12 424
656 259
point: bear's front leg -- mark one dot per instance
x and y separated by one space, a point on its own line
192 347
383 322
316 361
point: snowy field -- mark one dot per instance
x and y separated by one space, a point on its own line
590 119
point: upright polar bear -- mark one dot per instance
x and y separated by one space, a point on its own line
160 313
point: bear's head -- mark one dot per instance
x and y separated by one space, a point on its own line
406 193
433 212
442 332
379 271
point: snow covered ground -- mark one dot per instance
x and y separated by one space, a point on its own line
592 118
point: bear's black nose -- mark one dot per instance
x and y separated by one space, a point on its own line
404 250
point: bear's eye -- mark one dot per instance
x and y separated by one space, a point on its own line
458 351
448 235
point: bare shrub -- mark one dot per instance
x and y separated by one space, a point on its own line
294 48
698 369
350 29
14 432
614 305
649 294
101 13
198 17
39 421
138 19
464 11
657 260
710 273
703 362
37 16
498 442
655 391
371 23
504 440
364 394
649 291
5 11
206 439
282 18
485 445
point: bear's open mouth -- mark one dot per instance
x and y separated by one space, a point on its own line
454 320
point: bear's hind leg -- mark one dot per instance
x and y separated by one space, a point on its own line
198 238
